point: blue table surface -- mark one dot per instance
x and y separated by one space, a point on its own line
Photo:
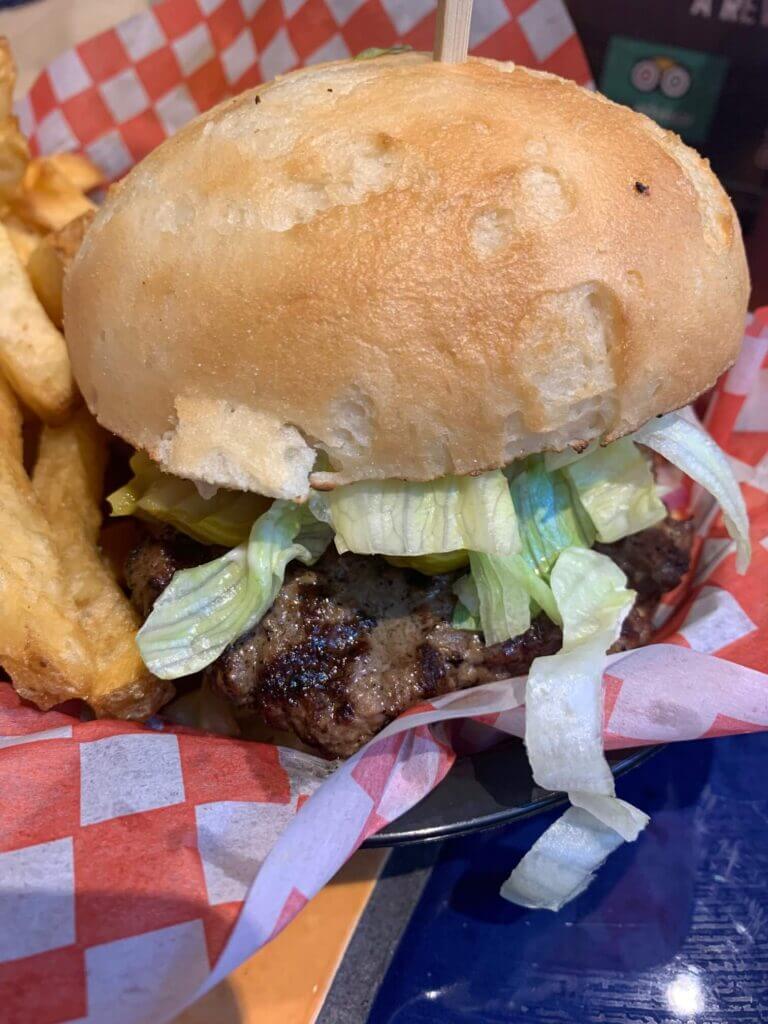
675 928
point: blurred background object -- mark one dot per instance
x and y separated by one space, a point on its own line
699 68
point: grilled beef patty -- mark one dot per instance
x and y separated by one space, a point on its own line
149 568
352 642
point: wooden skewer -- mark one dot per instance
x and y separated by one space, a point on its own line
452 31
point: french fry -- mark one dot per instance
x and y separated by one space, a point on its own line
23 239
67 480
68 483
45 268
47 198
68 630
42 645
7 77
11 440
14 151
33 354
78 169
14 158
50 260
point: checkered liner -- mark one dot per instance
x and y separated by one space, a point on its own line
120 94
139 866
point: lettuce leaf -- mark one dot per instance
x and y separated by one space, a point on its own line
499 597
563 726
204 609
465 590
466 614
615 485
504 603
548 518
563 735
694 452
393 517
224 519
562 862
511 588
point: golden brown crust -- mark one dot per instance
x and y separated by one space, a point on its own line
420 268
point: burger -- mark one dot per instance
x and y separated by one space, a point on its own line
398 347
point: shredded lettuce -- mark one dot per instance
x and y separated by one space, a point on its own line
506 588
204 609
562 862
695 453
465 590
547 516
622 817
466 614
616 487
510 588
504 603
499 597
392 517
563 734
224 519
563 727
463 618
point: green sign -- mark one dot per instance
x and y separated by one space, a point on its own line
679 88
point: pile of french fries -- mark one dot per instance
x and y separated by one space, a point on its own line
66 628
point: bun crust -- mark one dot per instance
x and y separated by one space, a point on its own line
417 268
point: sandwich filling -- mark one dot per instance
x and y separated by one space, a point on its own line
353 641
331 618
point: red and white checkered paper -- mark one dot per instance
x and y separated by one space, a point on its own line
120 94
138 866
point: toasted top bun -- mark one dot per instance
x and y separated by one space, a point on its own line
417 268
